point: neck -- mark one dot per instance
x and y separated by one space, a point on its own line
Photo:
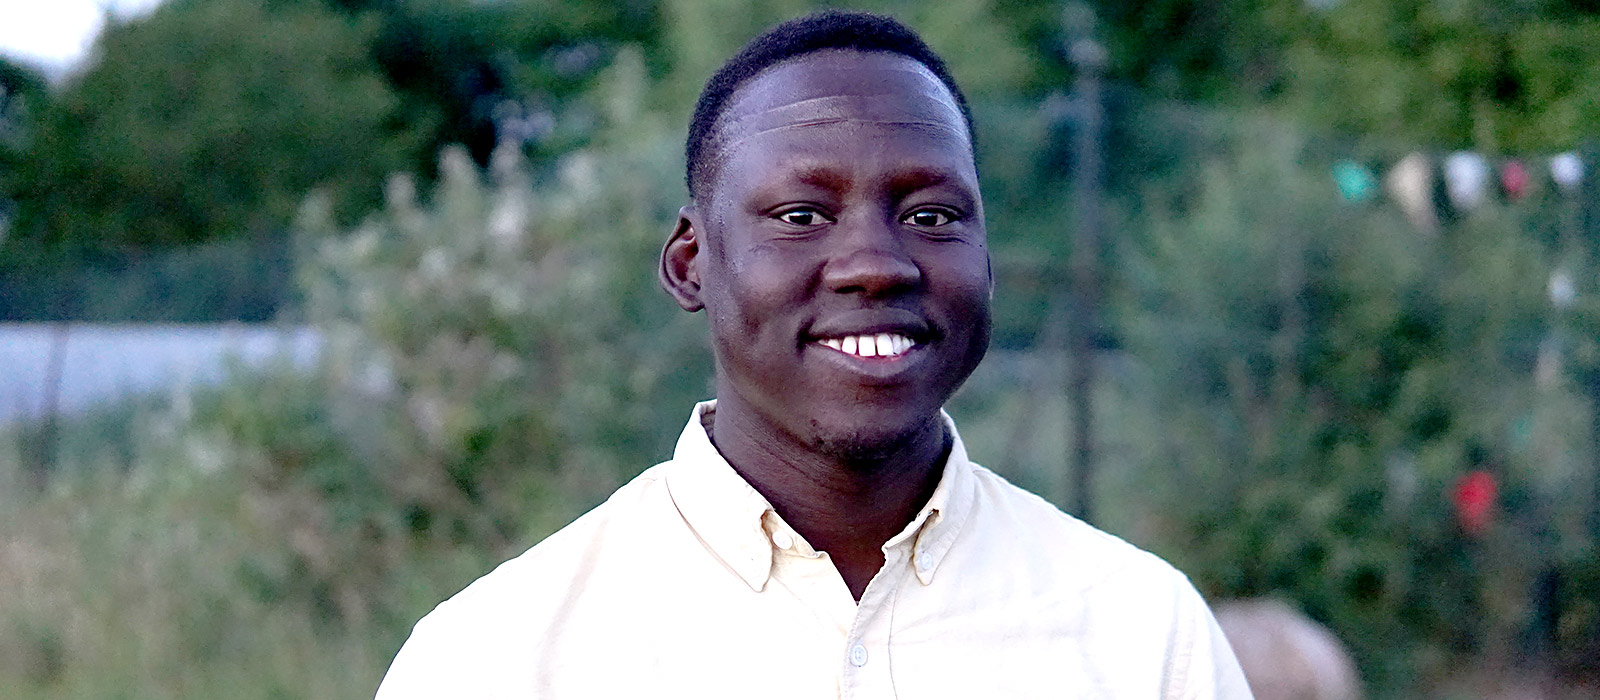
843 505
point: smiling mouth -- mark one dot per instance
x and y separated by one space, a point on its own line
885 345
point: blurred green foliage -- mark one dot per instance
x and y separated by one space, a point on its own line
496 360
143 149
1326 397
207 120
1292 383
249 280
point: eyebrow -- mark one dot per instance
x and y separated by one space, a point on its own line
901 182
825 176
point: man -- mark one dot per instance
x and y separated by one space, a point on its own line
820 531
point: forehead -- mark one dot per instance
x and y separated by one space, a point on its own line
838 87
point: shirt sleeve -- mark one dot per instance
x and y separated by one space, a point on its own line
434 663
414 671
1201 664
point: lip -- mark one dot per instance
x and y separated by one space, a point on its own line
879 371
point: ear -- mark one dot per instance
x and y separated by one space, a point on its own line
679 271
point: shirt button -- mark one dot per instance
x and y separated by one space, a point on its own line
858 655
782 539
924 562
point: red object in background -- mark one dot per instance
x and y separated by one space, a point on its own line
1474 498
1515 179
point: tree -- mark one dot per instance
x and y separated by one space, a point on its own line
22 93
208 120
1483 74
1317 376
462 68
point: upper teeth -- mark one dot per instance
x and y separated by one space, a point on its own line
873 345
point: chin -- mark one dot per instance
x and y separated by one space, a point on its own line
868 442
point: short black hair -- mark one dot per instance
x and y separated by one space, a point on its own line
828 29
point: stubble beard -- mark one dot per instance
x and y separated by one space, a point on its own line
865 448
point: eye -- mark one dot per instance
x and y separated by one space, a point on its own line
930 217
802 216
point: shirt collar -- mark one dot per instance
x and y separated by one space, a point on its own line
726 513
934 530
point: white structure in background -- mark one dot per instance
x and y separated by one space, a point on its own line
96 364
1286 655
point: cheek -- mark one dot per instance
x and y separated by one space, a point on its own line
768 279
966 292
966 283
754 300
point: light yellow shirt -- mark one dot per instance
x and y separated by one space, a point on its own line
686 583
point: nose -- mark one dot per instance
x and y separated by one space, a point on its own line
869 258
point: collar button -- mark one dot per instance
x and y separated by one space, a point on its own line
782 540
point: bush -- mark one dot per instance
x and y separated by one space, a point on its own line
1324 373
496 361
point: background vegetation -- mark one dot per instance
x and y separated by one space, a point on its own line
1293 383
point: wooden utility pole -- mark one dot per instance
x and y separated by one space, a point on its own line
46 446
1089 62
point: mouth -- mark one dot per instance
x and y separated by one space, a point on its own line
876 345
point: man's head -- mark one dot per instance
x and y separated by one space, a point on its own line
822 31
837 245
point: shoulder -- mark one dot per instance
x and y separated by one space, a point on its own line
1133 603
554 562
504 614
1042 532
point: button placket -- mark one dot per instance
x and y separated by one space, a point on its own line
867 672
